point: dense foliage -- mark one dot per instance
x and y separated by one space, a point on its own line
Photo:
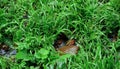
33 25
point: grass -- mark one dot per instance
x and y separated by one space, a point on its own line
33 25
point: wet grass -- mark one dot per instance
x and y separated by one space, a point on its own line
32 26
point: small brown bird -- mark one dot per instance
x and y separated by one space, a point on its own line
69 48
64 45
70 42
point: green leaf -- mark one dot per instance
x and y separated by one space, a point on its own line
3 63
0 37
18 35
65 56
23 55
22 45
42 53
